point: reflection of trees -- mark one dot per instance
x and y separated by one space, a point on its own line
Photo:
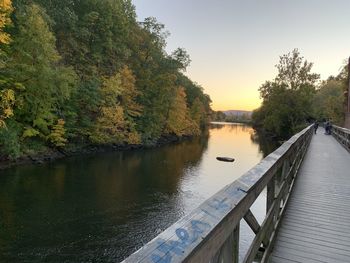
163 167
266 145
216 126
232 127
80 197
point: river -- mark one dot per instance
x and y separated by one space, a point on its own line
101 208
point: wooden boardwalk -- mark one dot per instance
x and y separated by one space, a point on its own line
316 224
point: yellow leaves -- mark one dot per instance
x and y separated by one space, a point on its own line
197 111
111 118
7 100
113 124
29 132
109 125
111 89
129 93
179 121
56 136
133 138
5 11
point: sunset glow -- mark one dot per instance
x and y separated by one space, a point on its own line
234 45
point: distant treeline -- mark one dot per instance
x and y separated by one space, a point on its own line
86 72
232 116
297 97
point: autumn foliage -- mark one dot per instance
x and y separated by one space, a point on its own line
78 73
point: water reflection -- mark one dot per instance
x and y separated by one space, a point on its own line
266 145
101 208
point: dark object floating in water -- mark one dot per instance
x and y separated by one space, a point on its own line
225 159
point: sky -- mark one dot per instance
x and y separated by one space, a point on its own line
235 45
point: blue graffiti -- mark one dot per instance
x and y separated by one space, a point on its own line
197 230
177 247
219 205
161 259
210 214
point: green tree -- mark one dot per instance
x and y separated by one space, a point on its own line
155 78
328 102
287 100
7 94
86 72
36 65
219 116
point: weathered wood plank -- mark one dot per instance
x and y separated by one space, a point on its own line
229 252
296 225
309 233
298 257
252 251
312 251
316 225
315 240
318 219
252 222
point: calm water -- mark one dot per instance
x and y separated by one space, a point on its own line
102 208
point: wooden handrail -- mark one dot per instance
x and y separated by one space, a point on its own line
210 233
342 135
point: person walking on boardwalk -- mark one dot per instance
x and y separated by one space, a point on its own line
315 126
330 126
326 127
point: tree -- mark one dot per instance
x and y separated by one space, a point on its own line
85 72
5 11
7 95
295 72
129 94
219 116
198 113
287 100
181 58
35 64
179 121
112 125
328 101
56 137
7 100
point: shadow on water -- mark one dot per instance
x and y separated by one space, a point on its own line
102 208
97 207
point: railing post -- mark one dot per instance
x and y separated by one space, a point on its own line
229 251
286 178
271 190
270 198
236 244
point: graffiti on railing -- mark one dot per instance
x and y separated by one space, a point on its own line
215 208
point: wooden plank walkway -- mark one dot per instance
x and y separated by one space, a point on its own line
316 223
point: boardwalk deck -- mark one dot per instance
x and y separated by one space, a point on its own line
316 223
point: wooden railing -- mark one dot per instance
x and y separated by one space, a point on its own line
342 135
211 232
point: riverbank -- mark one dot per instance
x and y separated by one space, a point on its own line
51 154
